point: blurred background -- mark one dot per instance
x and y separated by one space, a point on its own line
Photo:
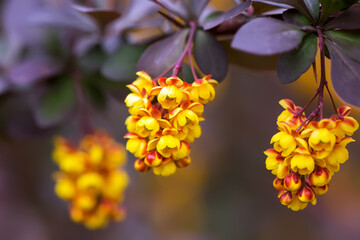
226 192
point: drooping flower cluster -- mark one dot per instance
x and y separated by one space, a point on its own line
306 156
90 178
164 119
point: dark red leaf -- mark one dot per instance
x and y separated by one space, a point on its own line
347 20
267 36
227 15
210 55
162 54
345 75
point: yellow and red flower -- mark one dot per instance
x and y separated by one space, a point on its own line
307 153
164 119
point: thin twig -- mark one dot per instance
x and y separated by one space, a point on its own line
187 48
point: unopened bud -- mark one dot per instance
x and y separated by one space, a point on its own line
320 190
278 184
286 198
183 162
306 194
153 159
292 182
320 176
141 166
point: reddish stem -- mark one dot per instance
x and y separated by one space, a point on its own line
192 66
179 63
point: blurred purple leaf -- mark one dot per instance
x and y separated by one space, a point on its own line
63 17
162 54
33 70
347 41
309 8
280 4
345 75
102 16
56 104
186 9
347 20
210 55
267 36
227 15
294 63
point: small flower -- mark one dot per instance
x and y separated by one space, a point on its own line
202 90
302 162
284 143
169 94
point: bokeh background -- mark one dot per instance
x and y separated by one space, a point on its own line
226 192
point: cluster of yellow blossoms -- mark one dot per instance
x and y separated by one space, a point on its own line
90 178
306 156
164 119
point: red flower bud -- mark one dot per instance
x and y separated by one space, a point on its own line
278 184
141 166
286 198
292 182
320 190
306 194
183 162
153 159
320 176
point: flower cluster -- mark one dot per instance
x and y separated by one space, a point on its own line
306 156
164 119
90 178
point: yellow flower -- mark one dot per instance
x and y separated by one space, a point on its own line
169 94
302 162
136 145
284 143
167 168
147 126
290 115
202 90
276 164
182 152
181 118
144 82
168 144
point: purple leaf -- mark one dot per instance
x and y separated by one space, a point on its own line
33 70
227 15
102 16
345 75
210 55
309 8
347 20
63 17
162 54
267 36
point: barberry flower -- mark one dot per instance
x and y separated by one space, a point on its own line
307 153
164 120
90 178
